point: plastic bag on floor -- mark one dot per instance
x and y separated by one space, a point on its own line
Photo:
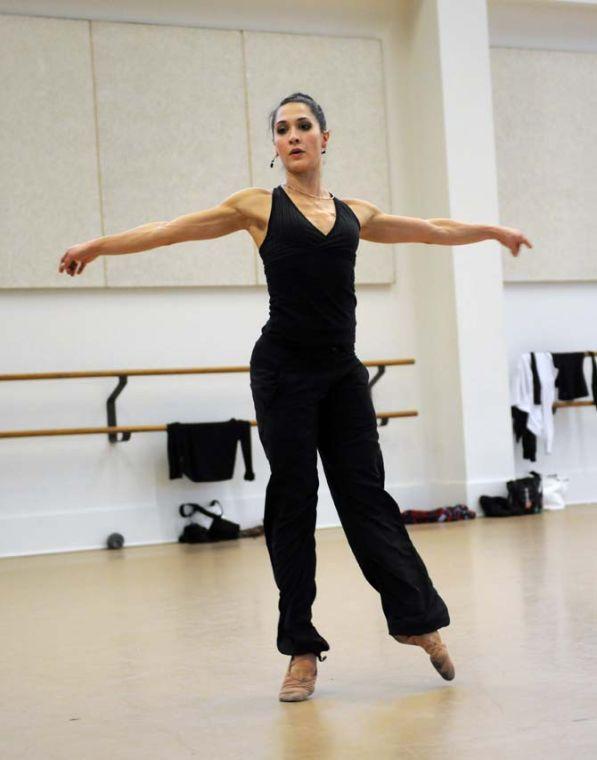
554 488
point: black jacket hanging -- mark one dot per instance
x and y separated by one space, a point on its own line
205 451
570 382
594 378
536 380
529 439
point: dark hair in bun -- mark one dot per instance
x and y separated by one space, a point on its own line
300 97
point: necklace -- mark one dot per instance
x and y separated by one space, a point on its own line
321 197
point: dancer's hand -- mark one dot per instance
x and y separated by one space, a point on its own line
512 239
76 259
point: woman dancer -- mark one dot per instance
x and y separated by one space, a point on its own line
311 392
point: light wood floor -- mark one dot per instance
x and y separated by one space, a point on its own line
169 651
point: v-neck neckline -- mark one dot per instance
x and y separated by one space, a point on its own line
323 234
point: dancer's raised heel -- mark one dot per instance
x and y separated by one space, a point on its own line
299 680
436 649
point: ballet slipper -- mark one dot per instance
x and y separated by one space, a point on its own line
436 649
299 680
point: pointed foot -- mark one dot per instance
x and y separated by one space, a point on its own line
435 648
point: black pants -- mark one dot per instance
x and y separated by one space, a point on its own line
310 400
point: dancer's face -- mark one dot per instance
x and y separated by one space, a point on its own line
295 126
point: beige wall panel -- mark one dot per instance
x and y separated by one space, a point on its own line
172 140
545 108
49 195
344 75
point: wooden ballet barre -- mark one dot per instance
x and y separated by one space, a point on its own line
113 428
174 371
558 404
146 428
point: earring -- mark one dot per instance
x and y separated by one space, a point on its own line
271 166
323 151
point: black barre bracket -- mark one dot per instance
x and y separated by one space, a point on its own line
111 407
381 369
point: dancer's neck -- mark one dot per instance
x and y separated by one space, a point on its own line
311 184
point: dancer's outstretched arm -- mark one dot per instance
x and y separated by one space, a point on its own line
223 219
388 228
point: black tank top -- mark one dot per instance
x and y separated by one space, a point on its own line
310 275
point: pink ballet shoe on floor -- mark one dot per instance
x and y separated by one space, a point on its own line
436 649
299 681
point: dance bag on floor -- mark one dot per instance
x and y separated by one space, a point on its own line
525 495
219 530
495 506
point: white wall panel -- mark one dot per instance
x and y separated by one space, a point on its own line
545 109
172 140
49 196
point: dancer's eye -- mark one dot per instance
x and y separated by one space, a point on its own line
281 130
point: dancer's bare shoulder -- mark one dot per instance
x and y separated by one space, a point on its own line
246 209
254 204
363 210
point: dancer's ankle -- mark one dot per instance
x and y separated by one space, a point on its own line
305 656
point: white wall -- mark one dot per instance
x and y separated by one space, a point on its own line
65 493
558 317
547 316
